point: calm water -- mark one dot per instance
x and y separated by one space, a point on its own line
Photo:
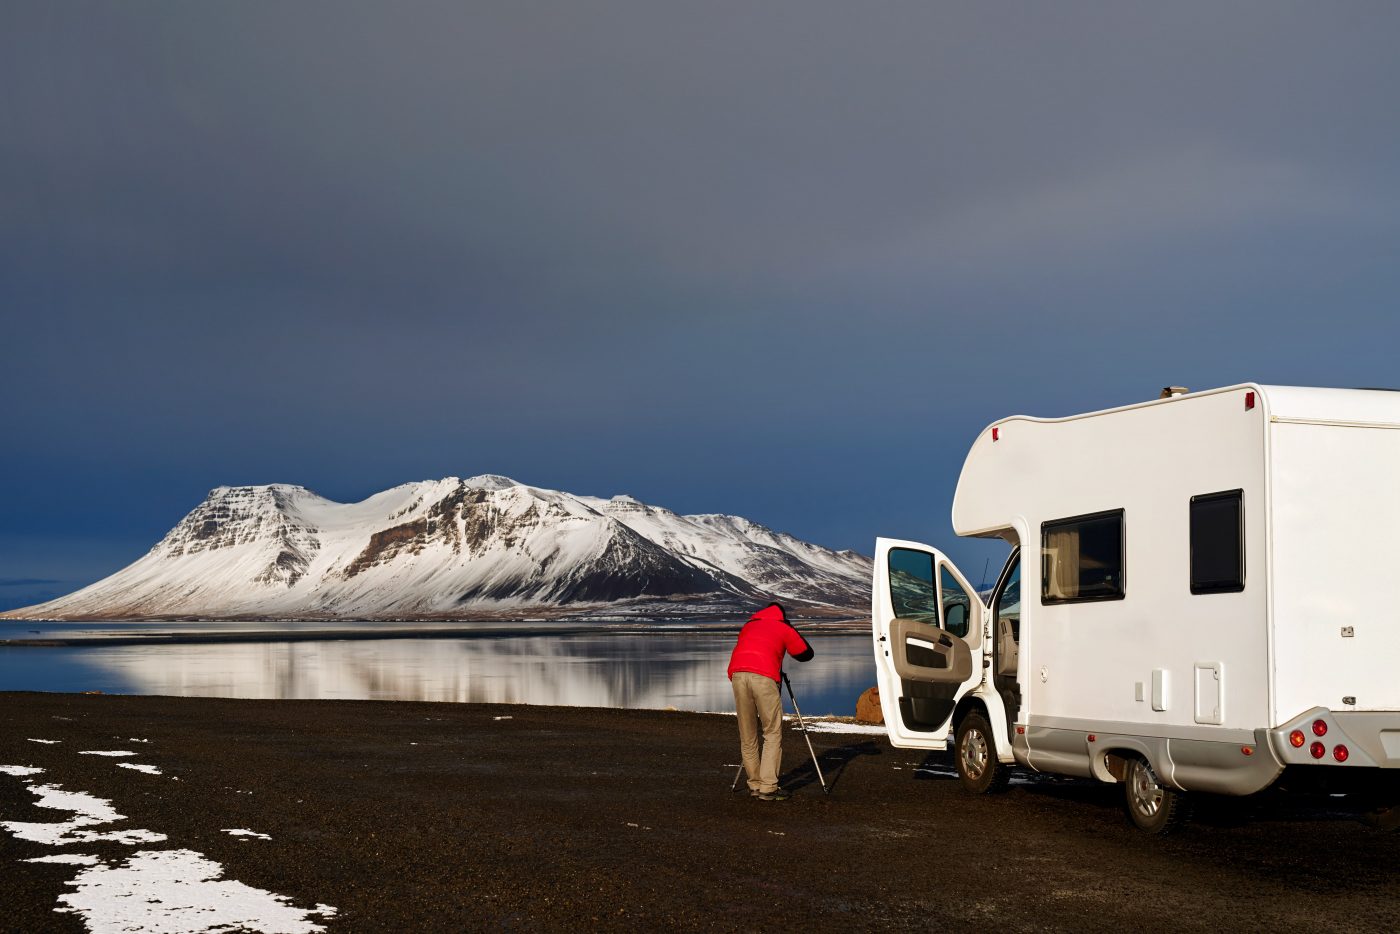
682 669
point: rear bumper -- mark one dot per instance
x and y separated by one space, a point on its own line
1371 739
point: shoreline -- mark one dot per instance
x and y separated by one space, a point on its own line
116 637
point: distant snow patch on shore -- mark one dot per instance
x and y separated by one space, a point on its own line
240 832
835 726
47 742
139 767
114 753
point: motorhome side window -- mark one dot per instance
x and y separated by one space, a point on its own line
1217 542
912 590
1082 558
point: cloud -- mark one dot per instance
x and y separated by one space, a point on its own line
1193 193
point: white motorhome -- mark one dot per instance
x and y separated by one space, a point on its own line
1203 592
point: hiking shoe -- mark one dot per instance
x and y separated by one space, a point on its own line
777 794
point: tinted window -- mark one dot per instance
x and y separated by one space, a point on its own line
957 606
911 586
1082 558
1217 542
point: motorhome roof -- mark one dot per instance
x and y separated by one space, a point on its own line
1308 403
1022 467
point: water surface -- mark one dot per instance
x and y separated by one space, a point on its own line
631 669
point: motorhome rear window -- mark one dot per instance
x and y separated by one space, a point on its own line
1082 558
1217 542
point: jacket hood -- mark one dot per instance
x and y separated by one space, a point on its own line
772 613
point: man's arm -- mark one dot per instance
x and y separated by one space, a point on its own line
799 648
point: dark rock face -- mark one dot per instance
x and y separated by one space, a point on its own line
631 566
229 517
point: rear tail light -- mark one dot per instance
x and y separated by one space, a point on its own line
1319 727
1297 739
1340 753
1248 401
1318 750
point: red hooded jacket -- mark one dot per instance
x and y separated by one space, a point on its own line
763 641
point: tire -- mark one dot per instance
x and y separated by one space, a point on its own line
975 751
1153 807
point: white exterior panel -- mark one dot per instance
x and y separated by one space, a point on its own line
1336 503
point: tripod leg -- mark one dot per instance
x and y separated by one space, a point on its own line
735 786
805 735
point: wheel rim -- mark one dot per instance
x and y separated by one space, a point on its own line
1146 794
974 753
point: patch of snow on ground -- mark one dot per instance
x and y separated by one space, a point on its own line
68 859
139 767
835 726
180 892
47 742
19 771
239 832
115 753
88 811
133 739
154 891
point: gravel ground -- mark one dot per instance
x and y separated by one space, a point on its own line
448 817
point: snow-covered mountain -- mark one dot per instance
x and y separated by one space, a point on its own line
482 547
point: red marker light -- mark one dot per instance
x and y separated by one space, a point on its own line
996 434
1093 738
1297 739
1340 753
1248 401
1247 750
1319 727
1020 731
1318 750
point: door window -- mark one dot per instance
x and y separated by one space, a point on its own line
912 591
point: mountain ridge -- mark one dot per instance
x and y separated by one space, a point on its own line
481 547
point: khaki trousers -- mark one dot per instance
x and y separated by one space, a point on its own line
757 700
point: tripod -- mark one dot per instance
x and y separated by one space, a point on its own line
805 735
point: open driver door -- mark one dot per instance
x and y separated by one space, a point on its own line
927 626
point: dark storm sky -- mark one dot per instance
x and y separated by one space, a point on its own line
778 259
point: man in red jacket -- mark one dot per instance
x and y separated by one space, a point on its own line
755 668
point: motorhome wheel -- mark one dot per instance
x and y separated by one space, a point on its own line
976 754
1152 806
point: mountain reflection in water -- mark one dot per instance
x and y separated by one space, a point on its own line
681 670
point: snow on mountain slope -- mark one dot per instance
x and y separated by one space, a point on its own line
771 562
450 547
